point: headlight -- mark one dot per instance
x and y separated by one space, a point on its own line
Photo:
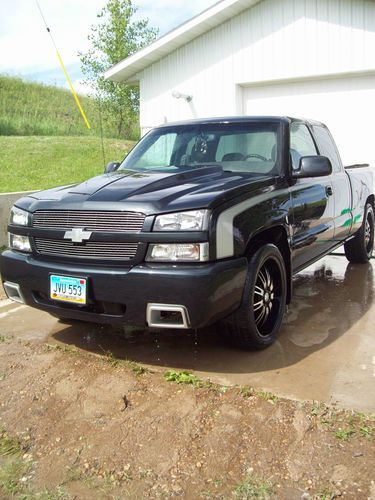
19 217
18 242
178 252
194 220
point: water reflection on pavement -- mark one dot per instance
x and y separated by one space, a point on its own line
325 351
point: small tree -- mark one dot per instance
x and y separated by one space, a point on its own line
114 38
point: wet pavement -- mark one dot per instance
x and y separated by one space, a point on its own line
325 351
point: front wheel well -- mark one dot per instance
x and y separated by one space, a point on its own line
371 199
276 235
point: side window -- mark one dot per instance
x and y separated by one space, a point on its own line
301 143
327 147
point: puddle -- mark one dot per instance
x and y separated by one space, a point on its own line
325 351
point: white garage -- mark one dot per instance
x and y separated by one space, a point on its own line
304 58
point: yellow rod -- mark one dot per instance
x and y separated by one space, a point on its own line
72 89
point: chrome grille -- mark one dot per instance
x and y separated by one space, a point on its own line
104 221
90 250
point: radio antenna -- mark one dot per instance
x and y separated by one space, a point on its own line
64 69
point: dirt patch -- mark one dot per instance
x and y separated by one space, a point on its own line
95 427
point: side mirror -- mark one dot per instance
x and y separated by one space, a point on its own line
313 166
111 167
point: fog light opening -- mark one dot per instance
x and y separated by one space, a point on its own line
14 292
167 316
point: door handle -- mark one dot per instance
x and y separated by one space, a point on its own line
329 191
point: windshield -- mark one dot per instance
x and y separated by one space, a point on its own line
249 147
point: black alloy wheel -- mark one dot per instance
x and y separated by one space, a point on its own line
256 323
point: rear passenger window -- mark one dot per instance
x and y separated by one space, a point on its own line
327 147
301 143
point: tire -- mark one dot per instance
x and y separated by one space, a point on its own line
257 322
359 249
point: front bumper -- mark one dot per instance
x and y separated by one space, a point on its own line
209 291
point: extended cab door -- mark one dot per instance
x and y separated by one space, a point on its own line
312 202
342 191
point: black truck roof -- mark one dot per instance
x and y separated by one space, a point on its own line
239 119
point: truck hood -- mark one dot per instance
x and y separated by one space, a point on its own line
150 192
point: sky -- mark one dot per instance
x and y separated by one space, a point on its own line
26 49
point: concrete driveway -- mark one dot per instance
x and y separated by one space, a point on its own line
326 349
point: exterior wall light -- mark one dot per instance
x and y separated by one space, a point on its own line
178 95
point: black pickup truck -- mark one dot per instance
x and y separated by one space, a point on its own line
203 221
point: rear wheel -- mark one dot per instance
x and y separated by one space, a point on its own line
256 323
359 249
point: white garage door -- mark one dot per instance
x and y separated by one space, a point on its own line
345 105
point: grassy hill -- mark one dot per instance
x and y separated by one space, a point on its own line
34 163
44 141
28 108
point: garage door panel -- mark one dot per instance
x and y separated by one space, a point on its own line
345 105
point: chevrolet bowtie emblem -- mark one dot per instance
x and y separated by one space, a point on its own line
77 235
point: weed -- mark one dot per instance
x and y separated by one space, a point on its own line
253 487
46 494
345 425
8 445
13 468
114 362
143 473
222 389
324 494
4 339
15 473
268 396
111 359
246 391
138 369
363 417
318 409
2 376
183 377
73 474
207 494
62 348
366 431
12 471
344 434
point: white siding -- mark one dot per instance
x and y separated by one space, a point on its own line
274 40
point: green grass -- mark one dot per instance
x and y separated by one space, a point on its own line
182 377
69 349
114 362
33 163
246 391
253 487
28 108
12 465
344 425
268 396
344 434
15 473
